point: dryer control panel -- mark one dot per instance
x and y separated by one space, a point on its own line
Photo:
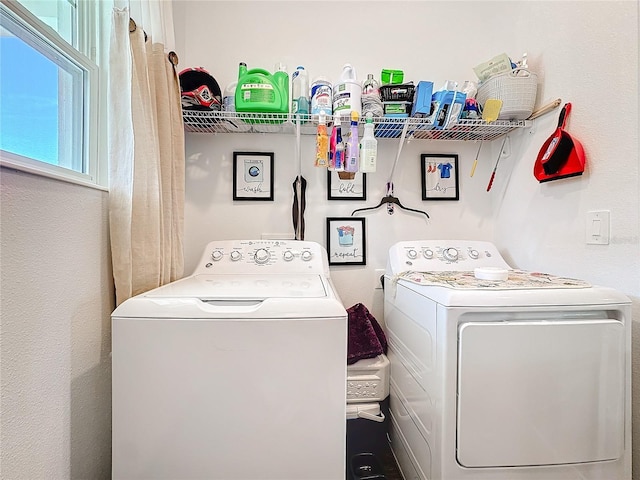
443 255
263 256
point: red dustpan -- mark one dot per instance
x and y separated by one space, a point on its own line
561 156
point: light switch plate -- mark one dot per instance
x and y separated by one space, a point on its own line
377 284
598 226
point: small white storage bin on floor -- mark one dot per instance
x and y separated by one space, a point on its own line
368 380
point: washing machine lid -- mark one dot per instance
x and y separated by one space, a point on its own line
235 296
244 286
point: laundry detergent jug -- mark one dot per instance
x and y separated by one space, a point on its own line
261 92
347 94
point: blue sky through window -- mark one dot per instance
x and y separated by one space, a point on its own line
28 101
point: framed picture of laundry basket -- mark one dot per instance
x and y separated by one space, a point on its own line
339 188
253 176
439 176
346 241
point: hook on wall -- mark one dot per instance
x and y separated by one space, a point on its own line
390 201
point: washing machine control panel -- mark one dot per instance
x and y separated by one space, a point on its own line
443 255
260 256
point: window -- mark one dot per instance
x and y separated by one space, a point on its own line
60 15
48 91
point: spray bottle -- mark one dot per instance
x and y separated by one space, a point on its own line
338 156
368 147
322 142
352 148
332 147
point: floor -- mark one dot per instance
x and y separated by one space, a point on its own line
368 437
387 464
391 470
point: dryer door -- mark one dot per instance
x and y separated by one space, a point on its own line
540 392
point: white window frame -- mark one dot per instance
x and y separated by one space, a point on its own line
93 132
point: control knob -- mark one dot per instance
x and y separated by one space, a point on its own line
261 256
412 254
428 254
216 255
235 255
474 254
306 255
287 256
450 254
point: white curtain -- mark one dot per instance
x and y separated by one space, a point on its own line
146 149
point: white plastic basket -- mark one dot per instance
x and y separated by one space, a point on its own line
517 89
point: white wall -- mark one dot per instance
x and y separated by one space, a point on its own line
584 52
209 213
56 289
56 297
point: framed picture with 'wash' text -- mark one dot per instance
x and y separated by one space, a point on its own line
252 176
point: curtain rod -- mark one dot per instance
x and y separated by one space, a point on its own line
133 27
172 56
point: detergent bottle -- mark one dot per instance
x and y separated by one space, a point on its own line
347 94
260 91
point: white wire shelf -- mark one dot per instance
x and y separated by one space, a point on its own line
202 121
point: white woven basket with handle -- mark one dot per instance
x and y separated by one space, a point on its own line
517 89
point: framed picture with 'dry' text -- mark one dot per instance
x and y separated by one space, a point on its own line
252 176
439 176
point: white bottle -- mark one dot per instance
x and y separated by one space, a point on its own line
321 98
229 98
300 92
352 153
347 94
368 148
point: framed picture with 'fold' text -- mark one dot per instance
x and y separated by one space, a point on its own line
339 188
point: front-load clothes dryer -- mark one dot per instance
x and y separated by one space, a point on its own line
502 374
236 372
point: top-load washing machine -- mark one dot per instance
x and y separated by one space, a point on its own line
503 374
236 372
